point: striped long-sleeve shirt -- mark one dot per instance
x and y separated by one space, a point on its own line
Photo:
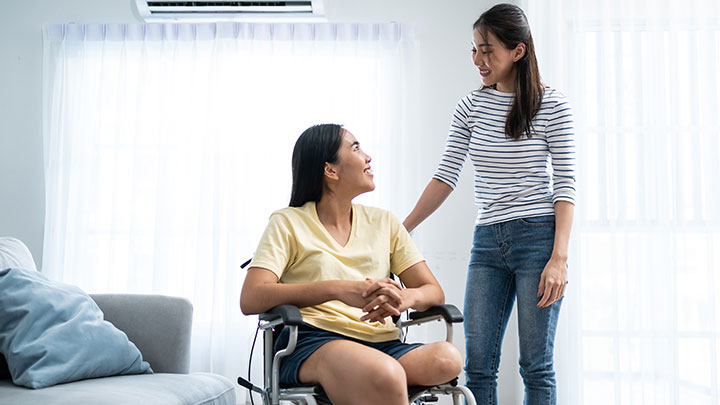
513 178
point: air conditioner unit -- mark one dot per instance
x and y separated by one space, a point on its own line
224 10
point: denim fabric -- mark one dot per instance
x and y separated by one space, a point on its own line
506 262
311 338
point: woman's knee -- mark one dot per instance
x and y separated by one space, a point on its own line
447 359
540 373
371 379
387 375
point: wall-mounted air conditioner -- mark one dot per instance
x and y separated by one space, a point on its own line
226 10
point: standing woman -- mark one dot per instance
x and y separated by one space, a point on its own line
519 135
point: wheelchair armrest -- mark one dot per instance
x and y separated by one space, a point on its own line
289 314
447 311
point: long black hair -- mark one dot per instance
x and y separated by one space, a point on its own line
510 25
316 146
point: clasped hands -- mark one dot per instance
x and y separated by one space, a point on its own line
379 298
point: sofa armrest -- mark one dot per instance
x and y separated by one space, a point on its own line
160 327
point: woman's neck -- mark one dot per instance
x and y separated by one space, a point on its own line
508 86
334 212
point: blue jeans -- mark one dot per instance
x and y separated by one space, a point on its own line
506 261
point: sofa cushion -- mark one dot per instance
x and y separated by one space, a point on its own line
52 333
14 253
196 388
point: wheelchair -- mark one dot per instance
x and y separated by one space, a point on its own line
274 320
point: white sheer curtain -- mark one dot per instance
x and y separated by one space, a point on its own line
168 146
642 319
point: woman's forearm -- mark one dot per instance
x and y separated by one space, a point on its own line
430 200
426 296
423 290
563 223
258 297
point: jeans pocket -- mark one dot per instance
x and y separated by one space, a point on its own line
544 220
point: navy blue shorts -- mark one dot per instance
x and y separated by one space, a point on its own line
311 338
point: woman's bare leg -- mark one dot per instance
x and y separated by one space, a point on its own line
431 364
351 373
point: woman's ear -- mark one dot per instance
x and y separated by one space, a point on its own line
330 171
519 52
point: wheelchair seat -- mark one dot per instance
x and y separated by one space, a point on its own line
273 321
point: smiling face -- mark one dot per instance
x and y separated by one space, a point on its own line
352 174
495 62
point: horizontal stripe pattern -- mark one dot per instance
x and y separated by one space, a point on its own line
513 178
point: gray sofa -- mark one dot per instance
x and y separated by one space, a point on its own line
160 326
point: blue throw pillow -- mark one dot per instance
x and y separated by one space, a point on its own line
51 333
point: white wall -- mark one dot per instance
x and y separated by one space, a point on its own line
22 206
444 74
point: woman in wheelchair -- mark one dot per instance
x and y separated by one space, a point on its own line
332 259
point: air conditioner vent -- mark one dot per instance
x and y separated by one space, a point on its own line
228 9
230 6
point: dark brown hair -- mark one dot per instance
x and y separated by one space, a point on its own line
315 146
509 24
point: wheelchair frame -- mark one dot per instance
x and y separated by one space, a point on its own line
289 316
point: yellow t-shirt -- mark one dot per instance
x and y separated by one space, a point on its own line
298 249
